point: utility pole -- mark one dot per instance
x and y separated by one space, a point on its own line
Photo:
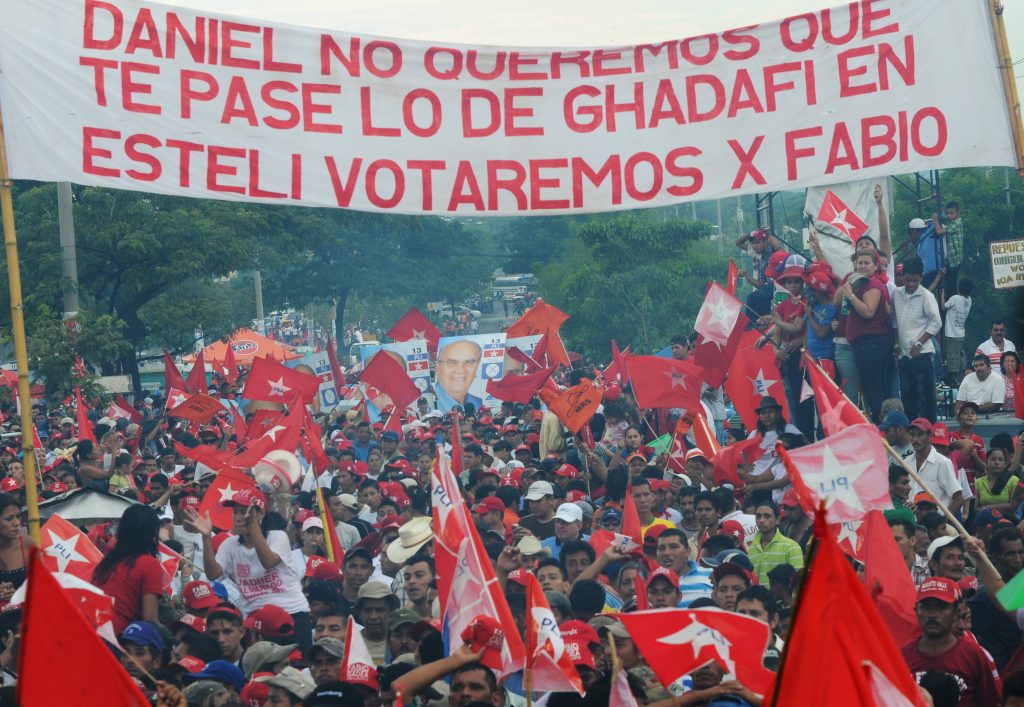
68 255
258 281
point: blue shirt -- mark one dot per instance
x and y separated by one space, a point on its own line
363 451
555 545
824 315
693 585
929 249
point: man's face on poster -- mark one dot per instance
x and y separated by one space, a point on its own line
457 364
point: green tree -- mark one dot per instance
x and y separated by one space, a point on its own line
632 278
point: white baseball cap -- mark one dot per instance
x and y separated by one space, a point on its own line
312 523
538 490
568 512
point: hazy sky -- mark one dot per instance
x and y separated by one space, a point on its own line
553 23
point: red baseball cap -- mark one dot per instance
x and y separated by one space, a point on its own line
389 521
256 692
489 504
790 499
190 621
733 529
580 654
324 572
362 468
940 434
663 572
302 515
574 496
189 502
199 594
348 466
921 424
189 663
56 487
9 484
247 498
924 497
695 453
941 588
523 448
660 485
271 621
568 471
576 630
485 632
313 562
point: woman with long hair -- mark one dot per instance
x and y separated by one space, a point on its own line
13 547
131 572
1008 363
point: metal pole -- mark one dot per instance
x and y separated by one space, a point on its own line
68 256
258 281
18 331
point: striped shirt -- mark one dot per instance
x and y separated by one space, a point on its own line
780 550
693 585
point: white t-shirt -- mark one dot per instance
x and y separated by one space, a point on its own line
990 390
956 321
937 471
748 522
280 585
994 353
771 460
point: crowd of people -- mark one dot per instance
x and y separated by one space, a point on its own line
260 613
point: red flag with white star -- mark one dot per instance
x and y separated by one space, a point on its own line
276 383
835 409
754 373
847 472
841 217
283 433
227 484
65 548
388 377
732 277
415 325
169 563
720 315
62 660
675 642
664 382
551 668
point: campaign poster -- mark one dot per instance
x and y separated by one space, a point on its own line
319 365
464 365
526 344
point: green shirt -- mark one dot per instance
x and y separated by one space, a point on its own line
954 243
780 550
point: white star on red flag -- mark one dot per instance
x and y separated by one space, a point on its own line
278 387
761 383
837 214
717 316
64 550
698 636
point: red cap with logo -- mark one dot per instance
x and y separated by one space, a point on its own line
256 693
790 500
941 588
580 654
193 622
271 621
189 663
485 632
198 594
940 434
663 573
733 529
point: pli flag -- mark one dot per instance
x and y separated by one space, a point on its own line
842 213
162 99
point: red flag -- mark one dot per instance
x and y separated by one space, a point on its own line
456 446
720 315
727 460
357 666
704 435
61 656
227 484
415 325
172 376
199 407
196 381
96 607
519 389
466 583
65 548
576 406
169 563
675 642
205 454
551 668
732 278
1018 387
120 407
847 472
664 382
284 434
312 448
642 602
754 373
886 572
837 214
388 376
335 553
631 528
543 318
336 372
616 371
835 409
837 625
85 430
230 365
274 382
175 397
517 354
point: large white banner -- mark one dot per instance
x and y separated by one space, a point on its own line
144 96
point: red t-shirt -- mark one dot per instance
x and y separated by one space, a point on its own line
966 663
858 326
128 583
790 310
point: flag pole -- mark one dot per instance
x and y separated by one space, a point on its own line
907 467
1013 107
18 332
